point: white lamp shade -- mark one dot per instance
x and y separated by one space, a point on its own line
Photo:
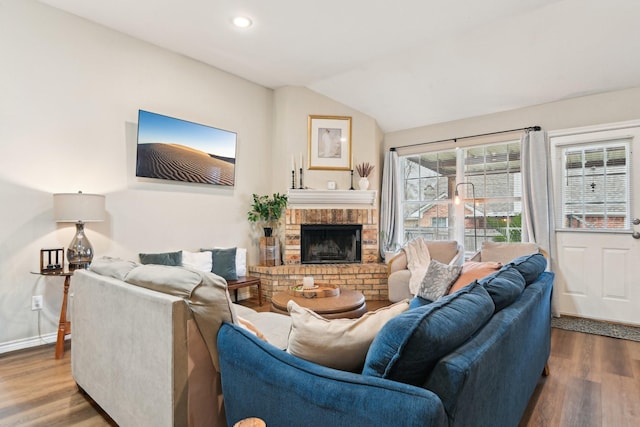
74 207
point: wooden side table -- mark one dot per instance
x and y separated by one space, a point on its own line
243 282
64 327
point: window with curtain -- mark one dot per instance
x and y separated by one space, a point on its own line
595 186
490 172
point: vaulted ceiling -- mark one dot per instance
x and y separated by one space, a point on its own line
406 63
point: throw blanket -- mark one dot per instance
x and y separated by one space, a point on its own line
418 259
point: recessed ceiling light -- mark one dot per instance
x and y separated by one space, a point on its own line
242 22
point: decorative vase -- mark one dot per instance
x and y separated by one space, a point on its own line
268 231
363 183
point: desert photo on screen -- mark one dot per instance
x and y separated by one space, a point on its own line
179 150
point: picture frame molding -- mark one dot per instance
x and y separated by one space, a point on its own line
329 154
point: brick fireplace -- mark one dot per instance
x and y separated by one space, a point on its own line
368 277
294 218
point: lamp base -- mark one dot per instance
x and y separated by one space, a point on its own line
80 252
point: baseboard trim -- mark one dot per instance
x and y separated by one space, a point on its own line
28 342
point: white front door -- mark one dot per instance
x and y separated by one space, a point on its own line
597 197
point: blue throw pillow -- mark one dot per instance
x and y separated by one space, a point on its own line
418 301
409 345
173 259
530 266
504 286
224 263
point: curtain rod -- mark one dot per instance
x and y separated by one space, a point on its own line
527 129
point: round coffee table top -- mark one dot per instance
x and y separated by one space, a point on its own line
349 304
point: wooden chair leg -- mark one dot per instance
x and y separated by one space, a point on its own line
545 371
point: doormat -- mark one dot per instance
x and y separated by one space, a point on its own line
589 326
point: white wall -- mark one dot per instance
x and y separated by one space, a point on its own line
69 95
587 110
70 91
293 106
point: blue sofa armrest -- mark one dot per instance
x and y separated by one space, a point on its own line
259 380
489 380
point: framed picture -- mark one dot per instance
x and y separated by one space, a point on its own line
330 143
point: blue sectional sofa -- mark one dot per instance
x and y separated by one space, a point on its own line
472 358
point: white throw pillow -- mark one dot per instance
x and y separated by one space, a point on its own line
201 261
336 343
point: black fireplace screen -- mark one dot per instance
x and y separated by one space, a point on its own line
330 244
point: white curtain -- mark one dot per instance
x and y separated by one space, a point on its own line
537 196
390 210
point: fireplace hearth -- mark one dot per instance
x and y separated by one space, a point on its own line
330 243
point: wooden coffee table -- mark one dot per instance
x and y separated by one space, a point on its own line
346 304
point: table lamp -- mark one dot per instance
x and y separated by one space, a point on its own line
79 208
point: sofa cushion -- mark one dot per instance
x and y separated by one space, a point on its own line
438 279
418 301
166 279
224 263
504 252
112 267
201 261
443 250
336 343
165 258
472 270
409 345
504 287
530 266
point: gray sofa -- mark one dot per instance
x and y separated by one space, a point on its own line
145 352
472 358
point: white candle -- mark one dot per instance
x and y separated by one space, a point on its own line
300 160
293 163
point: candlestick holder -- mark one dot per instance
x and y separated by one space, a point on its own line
352 180
301 186
293 179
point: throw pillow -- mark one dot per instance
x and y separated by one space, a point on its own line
438 279
166 258
409 345
504 287
472 270
224 263
241 260
530 266
202 261
336 343
417 302
246 325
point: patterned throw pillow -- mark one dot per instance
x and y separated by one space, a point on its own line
438 280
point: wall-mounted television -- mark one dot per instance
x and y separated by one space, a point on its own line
179 150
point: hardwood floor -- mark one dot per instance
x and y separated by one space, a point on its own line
594 381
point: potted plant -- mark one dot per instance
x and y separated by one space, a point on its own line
268 210
364 170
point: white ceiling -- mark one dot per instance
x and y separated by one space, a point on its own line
406 63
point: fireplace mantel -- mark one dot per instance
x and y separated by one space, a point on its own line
331 197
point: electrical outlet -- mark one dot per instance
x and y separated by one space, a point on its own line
37 302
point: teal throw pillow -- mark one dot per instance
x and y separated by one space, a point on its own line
224 263
173 259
